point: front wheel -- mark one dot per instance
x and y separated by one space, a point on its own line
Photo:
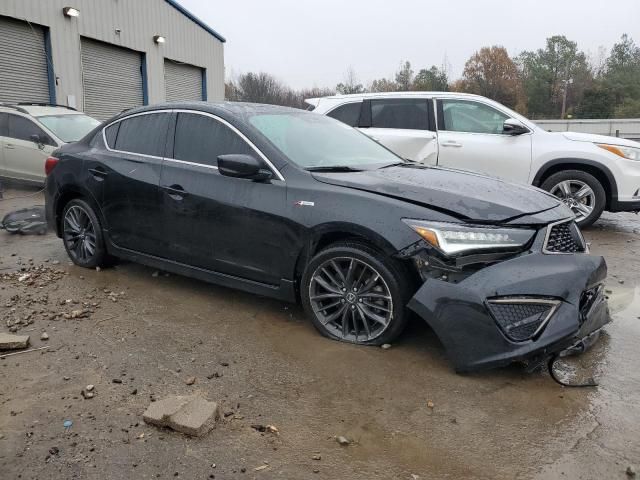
581 192
355 294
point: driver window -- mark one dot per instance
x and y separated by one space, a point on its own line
471 117
22 128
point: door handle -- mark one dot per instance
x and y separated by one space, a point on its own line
98 173
451 143
175 191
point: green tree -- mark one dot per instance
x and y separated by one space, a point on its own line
404 77
597 102
383 85
554 77
622 70
432 79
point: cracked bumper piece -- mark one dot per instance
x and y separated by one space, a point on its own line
524 309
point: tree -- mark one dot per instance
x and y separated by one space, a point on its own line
350 85
554 77
383 85
597 102
622 73
492 73
432 79
404 76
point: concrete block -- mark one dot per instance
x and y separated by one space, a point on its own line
13 342
191 415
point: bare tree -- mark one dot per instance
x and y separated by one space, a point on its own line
350 84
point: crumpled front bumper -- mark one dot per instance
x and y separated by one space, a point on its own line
459 313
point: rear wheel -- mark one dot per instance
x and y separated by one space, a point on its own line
82 235
581 192
355 294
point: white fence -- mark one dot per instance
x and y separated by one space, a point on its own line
625 128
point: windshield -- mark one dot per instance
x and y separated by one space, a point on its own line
69 127
314 141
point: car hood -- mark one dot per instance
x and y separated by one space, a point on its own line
592 138
464 195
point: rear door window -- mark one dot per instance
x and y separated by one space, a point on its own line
348 113
22 128
201 139
143 134
4 125
111 133
403 113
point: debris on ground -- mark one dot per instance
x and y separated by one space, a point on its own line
191 415
385 346
316 457
26 221
344 441
44 336
631 472
266 429
67 424
13 342
190 380
430 404
261 467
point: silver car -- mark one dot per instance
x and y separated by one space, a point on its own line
29 133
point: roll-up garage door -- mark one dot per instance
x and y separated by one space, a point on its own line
111 78
23 62
182 81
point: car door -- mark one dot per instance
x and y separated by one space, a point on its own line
25 148
405 126
125 177
219 223
471 137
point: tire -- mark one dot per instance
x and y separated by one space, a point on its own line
566 184
82 235
377 304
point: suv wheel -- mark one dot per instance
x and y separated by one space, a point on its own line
82 235
581 192
355 294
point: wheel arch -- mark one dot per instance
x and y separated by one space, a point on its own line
72 193
601 172
327 234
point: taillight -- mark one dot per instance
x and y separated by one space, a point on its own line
50 164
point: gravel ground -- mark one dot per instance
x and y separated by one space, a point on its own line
138 336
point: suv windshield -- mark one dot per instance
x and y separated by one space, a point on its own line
69 127
312 141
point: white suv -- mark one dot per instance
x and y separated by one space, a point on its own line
29 133
590 173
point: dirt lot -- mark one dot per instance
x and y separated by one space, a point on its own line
266 365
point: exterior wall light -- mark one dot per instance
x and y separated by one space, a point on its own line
70 12
159 39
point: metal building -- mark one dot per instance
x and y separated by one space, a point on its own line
102 56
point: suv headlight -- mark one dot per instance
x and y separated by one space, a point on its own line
453 238
630 153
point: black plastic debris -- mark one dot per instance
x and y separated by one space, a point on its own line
27 221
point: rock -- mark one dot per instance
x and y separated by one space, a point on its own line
631 472
13 342
264 428
134 391
385 346
56 262
44 336
190 380
89 388
116 380
191 415
344 441
430 404
415 477
155 274
87 395
316 457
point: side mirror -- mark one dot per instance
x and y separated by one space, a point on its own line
37 140
512 126
243 166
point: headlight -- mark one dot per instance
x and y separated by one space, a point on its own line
454 238
630 153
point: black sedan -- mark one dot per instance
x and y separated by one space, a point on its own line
297 206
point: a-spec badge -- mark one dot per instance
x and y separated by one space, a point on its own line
304 203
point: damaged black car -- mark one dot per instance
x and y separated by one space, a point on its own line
297 206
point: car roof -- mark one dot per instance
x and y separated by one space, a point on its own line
332 99
39 110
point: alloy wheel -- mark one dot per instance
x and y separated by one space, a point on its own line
79 234
351 299
577 195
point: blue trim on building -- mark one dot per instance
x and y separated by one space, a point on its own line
145 83
195 19
204 84
51 76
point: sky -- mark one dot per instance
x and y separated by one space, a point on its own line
312 43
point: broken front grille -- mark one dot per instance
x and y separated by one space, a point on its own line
564 237
522 318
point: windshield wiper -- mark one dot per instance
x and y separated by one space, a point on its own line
407 163
334 168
